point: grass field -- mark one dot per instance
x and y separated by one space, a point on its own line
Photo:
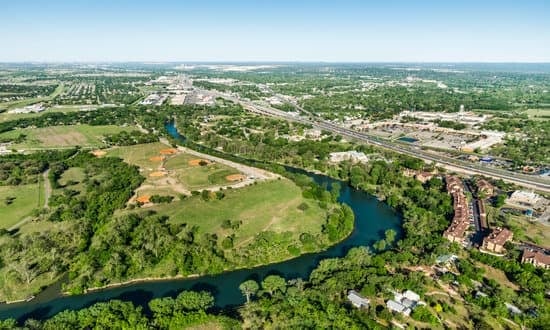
539 114
195 176
26 199
62 136
177 167
72 178
269 205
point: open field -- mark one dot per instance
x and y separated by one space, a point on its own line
538 114
62 136
26 199
72 178
271 205
172 172
530 231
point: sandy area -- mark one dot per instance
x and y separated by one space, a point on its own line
99 153
197 162
235 177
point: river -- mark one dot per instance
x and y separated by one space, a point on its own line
372 218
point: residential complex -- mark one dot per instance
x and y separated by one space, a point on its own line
536 258
496 240
460 223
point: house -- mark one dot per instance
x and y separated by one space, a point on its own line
446 259
394 306
496 240
404 302
536 258
357 300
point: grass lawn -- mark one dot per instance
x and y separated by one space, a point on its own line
72 178
538 114
26 199
138 154
269 205
62 136
197 177
530 231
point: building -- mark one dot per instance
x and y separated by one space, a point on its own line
536 258
35 108
460 222
482 213
483 186
524 199
496 240
354 156
394 306
357 300
404 303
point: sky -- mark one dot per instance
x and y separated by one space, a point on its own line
269 30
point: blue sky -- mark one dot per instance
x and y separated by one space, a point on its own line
381 31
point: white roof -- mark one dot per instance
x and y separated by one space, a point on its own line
357 299
411 295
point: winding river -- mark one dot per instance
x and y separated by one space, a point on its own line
372 218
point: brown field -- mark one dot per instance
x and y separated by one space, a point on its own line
170 151
99 153
157 159
143 199
196 162
157 174
67 139
235 177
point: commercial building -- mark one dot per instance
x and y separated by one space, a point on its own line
496 240
536 258
524 198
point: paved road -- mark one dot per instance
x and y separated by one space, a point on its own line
457 165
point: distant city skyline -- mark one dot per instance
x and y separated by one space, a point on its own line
275 31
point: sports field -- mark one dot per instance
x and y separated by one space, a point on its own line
271 205
62 136
24 199
172 172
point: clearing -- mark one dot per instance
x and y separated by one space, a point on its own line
173 172
270 205
24 199
62 136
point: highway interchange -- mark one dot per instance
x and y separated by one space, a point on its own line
537 183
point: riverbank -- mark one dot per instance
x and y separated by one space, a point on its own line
192 276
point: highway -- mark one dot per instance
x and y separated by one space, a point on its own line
537 183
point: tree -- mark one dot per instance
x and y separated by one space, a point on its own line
390 235
249 288
273 283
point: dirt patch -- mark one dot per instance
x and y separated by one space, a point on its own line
156 159
54 139
99 153
170 151
197 162
235 177
157 174
143 199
